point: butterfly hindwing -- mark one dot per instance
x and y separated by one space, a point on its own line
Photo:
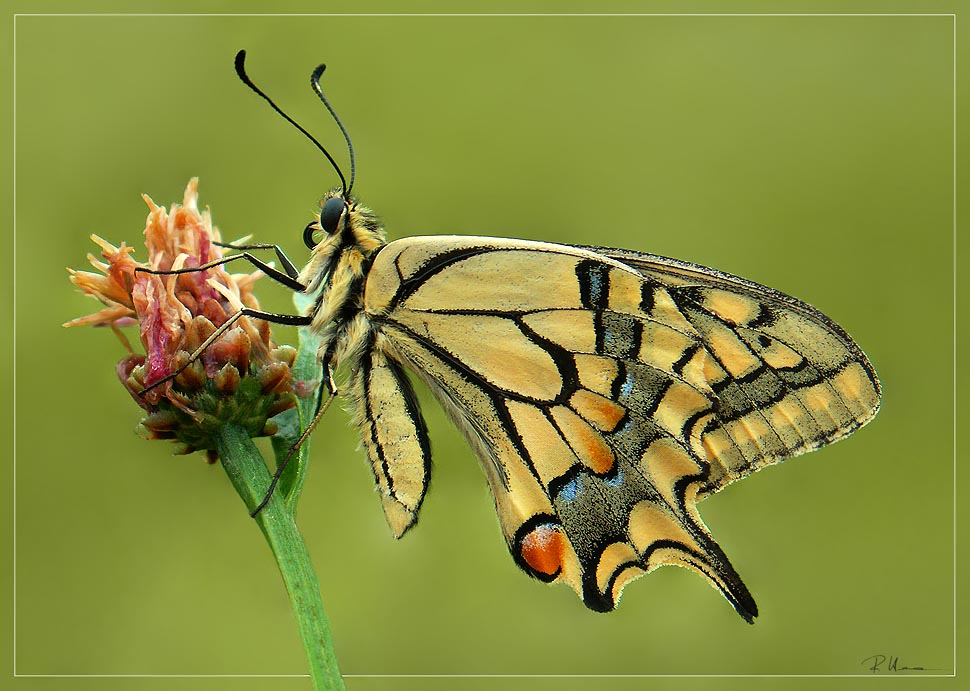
394 435
604 397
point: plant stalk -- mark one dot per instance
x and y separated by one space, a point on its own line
249 475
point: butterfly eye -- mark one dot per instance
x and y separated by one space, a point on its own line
329 220
330 214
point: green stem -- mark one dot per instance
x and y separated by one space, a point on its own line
247 471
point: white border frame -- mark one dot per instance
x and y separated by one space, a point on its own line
953 16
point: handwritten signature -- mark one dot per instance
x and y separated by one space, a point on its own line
889 663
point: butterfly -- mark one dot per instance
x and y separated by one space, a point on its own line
605 392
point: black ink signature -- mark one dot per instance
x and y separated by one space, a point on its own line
890 663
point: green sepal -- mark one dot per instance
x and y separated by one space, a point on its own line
247 407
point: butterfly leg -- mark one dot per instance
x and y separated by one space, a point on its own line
288 265
285 278
322 407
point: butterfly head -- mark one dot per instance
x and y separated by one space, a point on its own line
343 222
334 212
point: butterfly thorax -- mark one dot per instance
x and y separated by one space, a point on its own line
336 274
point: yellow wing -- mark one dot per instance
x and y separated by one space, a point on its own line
604 393
790 380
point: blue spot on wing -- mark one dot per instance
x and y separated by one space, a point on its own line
627 388
595 287
609 337
570 490
615 480
594 282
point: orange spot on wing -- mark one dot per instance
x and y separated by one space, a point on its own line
598 410
544 549
597 455
588 445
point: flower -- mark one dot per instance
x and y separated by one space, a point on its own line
241 378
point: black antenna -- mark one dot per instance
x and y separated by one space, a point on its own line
315 83
241 71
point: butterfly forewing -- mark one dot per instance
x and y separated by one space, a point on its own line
785 378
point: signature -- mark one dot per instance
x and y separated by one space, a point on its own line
890 663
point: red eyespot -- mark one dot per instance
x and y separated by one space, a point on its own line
543 549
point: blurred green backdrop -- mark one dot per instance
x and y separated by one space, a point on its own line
811 154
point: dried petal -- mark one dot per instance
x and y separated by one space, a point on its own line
227 380
275 377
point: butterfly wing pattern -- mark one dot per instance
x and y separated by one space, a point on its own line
792 379
604 391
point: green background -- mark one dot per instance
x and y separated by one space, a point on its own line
811 154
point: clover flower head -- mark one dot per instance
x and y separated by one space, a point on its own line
242 377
